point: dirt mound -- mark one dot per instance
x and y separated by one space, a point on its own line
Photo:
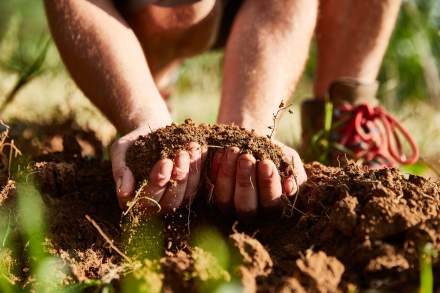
165 142
350 228
374 222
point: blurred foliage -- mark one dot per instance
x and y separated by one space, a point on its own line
32 12
427 254
410 70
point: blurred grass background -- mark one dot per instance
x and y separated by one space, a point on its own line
410 79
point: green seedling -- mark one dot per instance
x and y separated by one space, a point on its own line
426 276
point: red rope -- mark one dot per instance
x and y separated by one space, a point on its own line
364 128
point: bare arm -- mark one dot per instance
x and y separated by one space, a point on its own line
264 59
106 60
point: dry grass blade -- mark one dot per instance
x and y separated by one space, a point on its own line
13 149
107 238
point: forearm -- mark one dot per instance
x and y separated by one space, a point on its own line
264 59
106 60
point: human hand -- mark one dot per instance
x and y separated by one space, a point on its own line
184 172
243 185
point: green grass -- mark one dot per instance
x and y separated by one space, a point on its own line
427 253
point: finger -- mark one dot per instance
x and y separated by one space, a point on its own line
159 177
225 183
175 192
269 185
195 170
215 164
245 196
290 186
204 154
122 175
125 189
299 170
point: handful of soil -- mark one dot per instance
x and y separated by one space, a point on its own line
165 142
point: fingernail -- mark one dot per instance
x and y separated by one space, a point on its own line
118 185
246 165
124 188
194 149
165 169
182 157
266 169
291 186
181 166
231 152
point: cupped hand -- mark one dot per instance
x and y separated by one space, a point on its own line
171 182
244 185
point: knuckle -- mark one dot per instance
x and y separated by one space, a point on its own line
158 181
244 181
266 183
195 167
226 170
180 174
114 147
118 146
116 173
117 170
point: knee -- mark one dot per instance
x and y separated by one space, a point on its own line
284 13
181 17
284 7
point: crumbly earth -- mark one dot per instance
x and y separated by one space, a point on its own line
165 142
350 228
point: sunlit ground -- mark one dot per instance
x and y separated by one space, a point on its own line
410 69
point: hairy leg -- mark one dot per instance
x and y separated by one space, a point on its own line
352 37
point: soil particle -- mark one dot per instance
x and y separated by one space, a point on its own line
165 142
343 217
256 260
176 268
318 272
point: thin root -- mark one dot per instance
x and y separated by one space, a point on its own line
138 198
107 239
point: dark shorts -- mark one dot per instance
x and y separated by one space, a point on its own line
230 10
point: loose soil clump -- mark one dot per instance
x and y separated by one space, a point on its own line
165 142
350 228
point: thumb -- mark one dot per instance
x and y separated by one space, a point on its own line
122 175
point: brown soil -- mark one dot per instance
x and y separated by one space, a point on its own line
165 142
350 228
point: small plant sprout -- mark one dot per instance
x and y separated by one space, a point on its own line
281 107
